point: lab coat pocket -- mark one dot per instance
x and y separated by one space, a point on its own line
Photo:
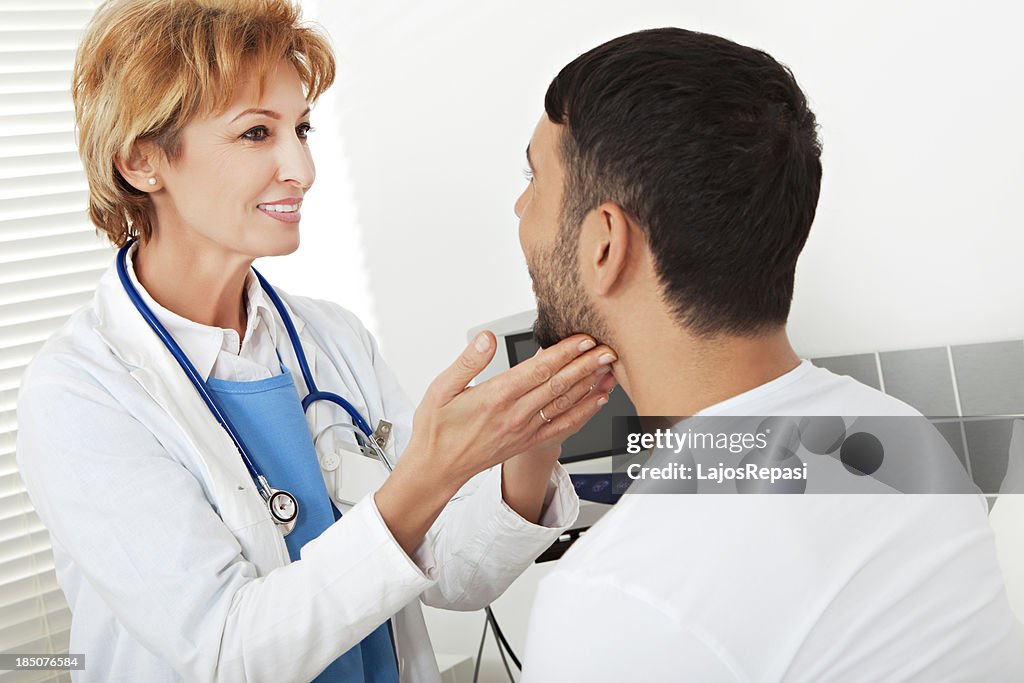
252 526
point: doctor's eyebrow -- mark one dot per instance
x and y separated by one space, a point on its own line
529 162
269 113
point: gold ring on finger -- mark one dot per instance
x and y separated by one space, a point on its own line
543 416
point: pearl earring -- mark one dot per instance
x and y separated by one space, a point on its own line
151 181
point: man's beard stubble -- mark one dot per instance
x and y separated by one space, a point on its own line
563 308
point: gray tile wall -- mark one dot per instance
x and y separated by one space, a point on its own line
988 442
972 393
990 378
862 368
922 378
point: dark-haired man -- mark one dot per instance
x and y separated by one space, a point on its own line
675 177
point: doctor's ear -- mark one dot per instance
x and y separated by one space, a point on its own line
609 239
139 169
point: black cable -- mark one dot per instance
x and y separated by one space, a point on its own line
501 652
501 637
480 653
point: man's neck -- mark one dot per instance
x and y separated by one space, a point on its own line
667 371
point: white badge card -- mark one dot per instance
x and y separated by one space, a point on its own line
357 475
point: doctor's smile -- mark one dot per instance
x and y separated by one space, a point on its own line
286 210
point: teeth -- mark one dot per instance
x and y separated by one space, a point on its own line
285 208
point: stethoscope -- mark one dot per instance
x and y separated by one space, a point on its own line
283 506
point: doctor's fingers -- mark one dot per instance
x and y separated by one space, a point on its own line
561 383
596 383
569 422
546 368
453 380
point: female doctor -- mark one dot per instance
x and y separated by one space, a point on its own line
183 435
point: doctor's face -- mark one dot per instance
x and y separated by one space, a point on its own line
551 248
239 179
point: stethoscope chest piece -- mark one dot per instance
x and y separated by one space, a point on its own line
284 509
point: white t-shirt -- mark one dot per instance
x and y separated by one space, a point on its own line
781 588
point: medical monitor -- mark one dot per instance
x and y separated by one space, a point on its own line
516 344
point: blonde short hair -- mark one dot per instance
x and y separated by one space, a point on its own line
145 68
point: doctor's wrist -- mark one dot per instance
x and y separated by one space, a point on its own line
425 464
524 481
413 496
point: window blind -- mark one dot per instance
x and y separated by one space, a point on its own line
50 262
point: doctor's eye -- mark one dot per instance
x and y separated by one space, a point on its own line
256 134
303 130
528 174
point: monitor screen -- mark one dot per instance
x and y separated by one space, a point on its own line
595 439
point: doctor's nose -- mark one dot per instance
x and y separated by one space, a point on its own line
296 164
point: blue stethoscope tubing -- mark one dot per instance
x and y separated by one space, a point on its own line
270 495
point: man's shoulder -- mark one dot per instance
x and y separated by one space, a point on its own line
633 527
816 391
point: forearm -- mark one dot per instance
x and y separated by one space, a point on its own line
481 545
413 496
524 483
326 616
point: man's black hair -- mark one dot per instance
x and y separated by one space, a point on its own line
711 147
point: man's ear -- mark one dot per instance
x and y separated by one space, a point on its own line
607 243
139 168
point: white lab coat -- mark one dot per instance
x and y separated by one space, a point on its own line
165 550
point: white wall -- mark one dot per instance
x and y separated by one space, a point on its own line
918 237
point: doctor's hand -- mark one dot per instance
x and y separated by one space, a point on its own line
536 404
460 431
525 476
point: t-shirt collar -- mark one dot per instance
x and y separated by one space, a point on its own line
730 405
